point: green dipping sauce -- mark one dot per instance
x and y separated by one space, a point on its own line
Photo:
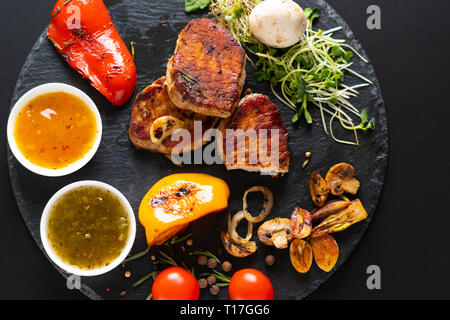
88 227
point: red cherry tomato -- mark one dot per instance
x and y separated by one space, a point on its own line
175 283
250 284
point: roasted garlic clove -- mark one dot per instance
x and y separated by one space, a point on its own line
325 250
163 127
341 220
301 255
329 209
340 178
276 232
301 223
319 189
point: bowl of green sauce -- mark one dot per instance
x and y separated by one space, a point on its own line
88 228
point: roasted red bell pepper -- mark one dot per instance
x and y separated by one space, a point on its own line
83 33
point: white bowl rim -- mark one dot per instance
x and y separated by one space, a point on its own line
73 269
30 95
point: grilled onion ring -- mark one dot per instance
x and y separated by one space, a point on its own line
234 236
267 204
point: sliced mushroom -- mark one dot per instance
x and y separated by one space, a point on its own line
301 223
276 232
340 178
326 251
341 220
267 204
319 189
328 209
163 127
235 249
301 255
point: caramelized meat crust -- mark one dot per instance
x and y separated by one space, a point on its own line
243 147
207 71
153 103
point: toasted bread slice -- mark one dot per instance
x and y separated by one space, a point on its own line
155 118
207 71
255 113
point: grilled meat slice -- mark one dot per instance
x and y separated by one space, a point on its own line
248 146
207 71
154 118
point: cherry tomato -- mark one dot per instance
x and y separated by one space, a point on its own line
250 284
175 283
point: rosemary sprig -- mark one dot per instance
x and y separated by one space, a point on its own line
221 285
143 279
187 76
136 256
133 51
166 259
205 253
56 44
175 239
219 276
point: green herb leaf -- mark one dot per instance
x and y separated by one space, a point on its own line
312 14
237 11
364 116
308 117
337 52
348 55
194 5
298 115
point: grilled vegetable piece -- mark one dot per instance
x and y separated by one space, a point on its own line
319 189
276 232
154 119
235 249
325 250
90 44
341 220
330 208
234 236
267 204
301 223
254 137
340 178
301 255
176 200
206 74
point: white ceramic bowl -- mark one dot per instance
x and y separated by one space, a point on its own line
74 269
24 100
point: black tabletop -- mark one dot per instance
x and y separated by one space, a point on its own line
408 236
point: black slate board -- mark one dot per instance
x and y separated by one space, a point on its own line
133 172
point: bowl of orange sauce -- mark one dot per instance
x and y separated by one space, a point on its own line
54 129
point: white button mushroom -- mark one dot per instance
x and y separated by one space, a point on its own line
278 23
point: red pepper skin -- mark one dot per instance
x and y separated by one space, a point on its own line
83 33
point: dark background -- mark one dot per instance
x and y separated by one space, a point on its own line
409 234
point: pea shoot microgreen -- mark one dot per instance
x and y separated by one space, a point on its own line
310 72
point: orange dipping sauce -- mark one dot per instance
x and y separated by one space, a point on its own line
55 129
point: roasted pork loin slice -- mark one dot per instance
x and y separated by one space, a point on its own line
207 71
155 118
254 137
